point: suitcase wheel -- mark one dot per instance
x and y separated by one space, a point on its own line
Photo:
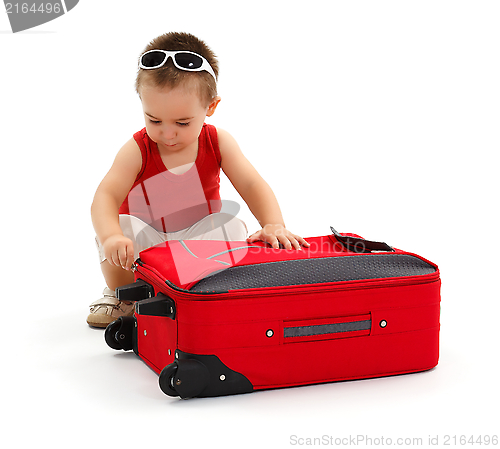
186 378
119 334
166 380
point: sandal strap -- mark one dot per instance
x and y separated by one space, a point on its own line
106 301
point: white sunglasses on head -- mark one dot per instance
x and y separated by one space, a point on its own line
183 60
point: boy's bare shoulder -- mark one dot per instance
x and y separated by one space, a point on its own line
129 157
222 133
122 174
227 142
130 148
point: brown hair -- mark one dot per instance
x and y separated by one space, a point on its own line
170 76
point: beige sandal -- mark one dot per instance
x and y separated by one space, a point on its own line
108 309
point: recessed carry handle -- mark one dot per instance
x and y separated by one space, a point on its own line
359 245
327 328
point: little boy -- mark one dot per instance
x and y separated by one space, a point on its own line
164 182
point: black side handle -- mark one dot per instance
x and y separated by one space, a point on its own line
136 291
160 305
359 245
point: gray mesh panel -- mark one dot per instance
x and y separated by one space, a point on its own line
314 271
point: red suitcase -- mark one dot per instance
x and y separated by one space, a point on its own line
216 318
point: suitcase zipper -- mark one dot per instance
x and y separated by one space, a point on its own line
344 286
151 275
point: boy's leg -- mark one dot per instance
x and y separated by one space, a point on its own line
218 226
115 276
109 308
143 236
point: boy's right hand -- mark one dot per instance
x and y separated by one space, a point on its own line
119 251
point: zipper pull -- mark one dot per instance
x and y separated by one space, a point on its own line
135 264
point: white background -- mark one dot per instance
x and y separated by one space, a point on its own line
377 117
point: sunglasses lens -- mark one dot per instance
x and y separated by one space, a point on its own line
153 59
188 61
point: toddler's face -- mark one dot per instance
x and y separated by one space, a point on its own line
174 117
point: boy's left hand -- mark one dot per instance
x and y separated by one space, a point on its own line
276 234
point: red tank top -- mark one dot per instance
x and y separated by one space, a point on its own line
170 202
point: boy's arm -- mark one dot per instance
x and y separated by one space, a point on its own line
108 198
257 194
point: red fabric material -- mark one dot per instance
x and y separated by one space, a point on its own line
170 202
157 336
234 328
185 263
234 325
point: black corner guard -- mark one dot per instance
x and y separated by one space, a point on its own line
193 375
136 291
159 305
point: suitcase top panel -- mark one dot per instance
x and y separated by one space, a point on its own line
314 271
